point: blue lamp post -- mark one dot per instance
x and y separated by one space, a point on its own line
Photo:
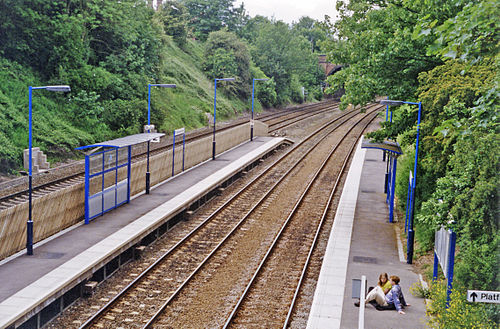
29 224
410 209
253 93
215 108
162 85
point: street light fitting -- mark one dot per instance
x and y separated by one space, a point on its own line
391 102
226 79
54 88
261 79
164 85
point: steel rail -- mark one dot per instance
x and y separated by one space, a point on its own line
318 230
132 284
232 232
288 220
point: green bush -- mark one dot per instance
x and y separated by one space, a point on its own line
460 314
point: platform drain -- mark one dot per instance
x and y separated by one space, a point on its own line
50 255
363 259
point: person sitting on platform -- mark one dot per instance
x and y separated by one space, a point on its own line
377 295
394 300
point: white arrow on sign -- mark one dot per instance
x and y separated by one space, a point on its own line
478 296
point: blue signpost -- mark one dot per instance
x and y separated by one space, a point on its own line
253 92
29 224
410 210
215 110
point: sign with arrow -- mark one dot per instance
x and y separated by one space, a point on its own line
478 296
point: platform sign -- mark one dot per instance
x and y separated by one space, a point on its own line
479 296
149 128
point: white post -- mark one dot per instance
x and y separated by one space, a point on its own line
361 320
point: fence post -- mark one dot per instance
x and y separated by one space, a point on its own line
451 263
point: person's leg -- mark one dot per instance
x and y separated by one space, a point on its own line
372 295
386 307
380 297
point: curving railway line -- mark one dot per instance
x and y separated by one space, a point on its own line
276 121
241 265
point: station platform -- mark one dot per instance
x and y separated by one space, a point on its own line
363 242
35 288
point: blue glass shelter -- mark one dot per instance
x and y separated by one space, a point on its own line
107 173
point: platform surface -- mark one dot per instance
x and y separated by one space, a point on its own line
362 242
27 281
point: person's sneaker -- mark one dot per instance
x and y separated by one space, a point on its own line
356 303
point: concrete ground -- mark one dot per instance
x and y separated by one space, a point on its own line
374 250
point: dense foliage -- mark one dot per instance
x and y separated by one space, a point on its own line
444 54
108 51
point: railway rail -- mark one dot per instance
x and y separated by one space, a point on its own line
190 259
300 231
276 121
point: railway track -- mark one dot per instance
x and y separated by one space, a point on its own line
273 290
276 121
196 258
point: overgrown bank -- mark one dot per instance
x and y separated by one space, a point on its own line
109 51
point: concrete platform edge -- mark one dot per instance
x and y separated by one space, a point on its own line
40 293
326 309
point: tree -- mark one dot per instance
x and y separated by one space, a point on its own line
213 15
374 38
311 30
174 17
283 54
228 56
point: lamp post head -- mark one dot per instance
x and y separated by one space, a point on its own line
163 85
63 88
226 79
260 79
391 102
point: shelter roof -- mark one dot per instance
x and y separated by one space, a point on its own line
125 141
388 146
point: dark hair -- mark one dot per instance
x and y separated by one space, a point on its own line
395 278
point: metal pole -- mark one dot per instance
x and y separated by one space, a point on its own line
215 107
407 205
391 206
149 104
362 297
87 188
435 270
147 172
251 123
173 156
451 263
183 149
412 214
29 224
